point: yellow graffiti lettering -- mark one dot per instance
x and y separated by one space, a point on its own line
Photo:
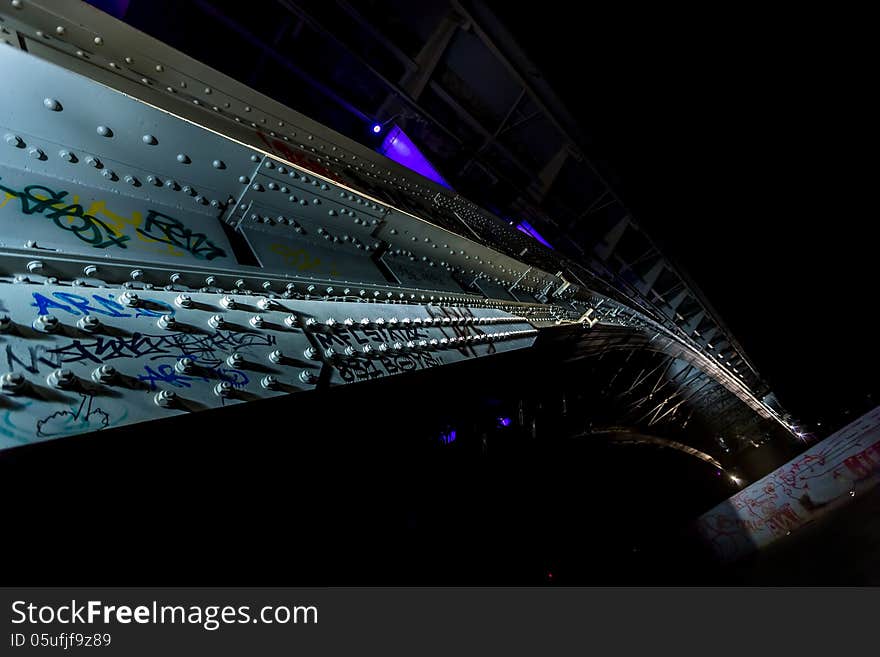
120 224
298 258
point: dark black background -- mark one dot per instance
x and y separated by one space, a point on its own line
741 137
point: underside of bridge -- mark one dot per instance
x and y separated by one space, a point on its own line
246 330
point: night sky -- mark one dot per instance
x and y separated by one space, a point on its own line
739 141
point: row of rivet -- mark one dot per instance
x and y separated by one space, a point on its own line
14 383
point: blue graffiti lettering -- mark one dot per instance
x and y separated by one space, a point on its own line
77 305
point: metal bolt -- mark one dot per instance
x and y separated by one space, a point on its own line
89 323
257 321
166 322
14 140
12 382
276 356
52 103
47 323
37 154
350 351
269 382
34 266
104 373
264 303
184 365
223 389
311 353
217 321
235 359
183 158
306 376
5 323
129 299
290 321
228 303
61 378
165 398
104 131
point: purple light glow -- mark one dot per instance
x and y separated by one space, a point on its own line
377 128
400 148
448 437
529 230
504 421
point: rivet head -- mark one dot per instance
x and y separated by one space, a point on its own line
37 154
52 104
129 299
98 41
104 373
61 378
104 131
150 140
89 323
47 323
12 382
183 158
184 365
218 164
5 323
165 398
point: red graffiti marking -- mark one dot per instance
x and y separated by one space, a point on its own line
297 157
864 463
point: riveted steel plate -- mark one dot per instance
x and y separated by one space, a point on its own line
209 350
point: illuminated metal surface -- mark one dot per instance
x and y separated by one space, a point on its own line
128 169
